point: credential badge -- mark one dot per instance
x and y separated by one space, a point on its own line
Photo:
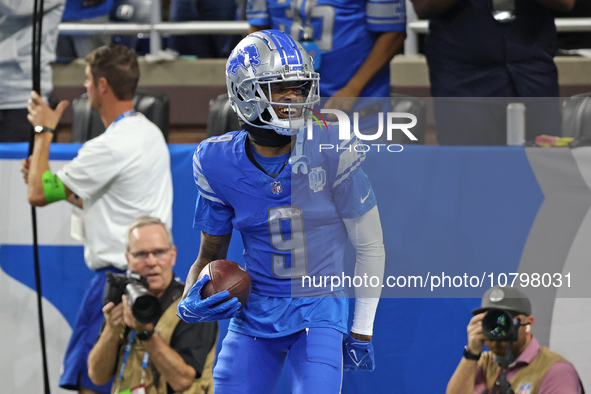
317 178
525 388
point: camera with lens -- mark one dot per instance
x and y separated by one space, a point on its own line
145 307
500 325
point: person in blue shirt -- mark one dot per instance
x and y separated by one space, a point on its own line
356 39
70 47
295 205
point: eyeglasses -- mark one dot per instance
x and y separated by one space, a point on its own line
143 255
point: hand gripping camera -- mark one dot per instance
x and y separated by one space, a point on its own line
144 306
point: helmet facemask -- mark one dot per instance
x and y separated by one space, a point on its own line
282 104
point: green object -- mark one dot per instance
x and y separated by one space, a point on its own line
53 187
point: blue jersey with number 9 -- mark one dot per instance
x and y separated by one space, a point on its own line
291 225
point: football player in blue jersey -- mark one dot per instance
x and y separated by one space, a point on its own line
356 39
295 207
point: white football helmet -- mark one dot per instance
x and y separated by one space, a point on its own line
260 60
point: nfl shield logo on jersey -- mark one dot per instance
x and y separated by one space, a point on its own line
276 187
525 388
317 178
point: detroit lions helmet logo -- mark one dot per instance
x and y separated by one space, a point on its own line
239 57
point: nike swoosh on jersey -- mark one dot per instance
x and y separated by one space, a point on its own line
365 198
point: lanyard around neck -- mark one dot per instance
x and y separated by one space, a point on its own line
128 346
123 115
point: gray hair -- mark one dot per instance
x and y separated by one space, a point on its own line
143 221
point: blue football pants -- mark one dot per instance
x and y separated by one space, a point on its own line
253 365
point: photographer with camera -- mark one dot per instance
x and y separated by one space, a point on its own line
117 176
143 343
516 363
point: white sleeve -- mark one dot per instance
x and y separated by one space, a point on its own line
365 233
90 171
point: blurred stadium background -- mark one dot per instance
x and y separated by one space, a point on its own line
505 193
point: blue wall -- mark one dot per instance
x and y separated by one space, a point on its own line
451 210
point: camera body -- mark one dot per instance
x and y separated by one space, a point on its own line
145 307
500 325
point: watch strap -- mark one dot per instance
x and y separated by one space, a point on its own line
469 355
144 335
43 129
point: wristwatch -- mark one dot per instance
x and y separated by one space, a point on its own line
471 356
144 335
43 129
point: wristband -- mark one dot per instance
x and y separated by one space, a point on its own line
144 335
53 187
469 355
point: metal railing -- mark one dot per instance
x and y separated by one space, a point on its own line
156 29
563 25
217 27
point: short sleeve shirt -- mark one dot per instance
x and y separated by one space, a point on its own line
120 175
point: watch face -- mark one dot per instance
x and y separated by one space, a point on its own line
42 129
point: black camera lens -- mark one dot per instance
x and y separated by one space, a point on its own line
144 306
499 325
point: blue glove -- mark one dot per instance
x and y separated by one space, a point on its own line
195 310
358 355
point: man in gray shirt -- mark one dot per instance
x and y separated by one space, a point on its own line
16 37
